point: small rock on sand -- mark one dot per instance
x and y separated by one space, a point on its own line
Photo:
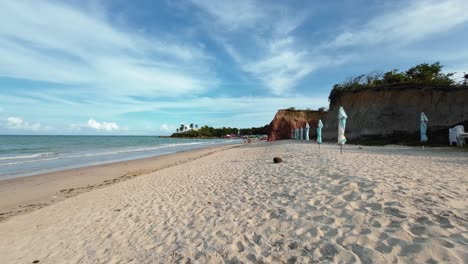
277 160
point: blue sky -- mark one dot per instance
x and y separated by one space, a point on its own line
145 67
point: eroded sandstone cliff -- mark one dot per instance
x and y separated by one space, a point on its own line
391 114
285 120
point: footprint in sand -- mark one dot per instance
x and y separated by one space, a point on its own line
418 230
444 221
394 212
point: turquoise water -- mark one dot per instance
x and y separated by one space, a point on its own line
30 155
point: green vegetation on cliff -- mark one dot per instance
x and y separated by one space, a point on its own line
421 75
293 109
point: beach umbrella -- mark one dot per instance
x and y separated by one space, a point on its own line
307 127
423 128
292 132
296 133
319 132
301 132
341 127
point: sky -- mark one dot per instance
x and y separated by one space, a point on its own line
144 67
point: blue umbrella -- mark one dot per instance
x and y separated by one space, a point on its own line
307 127
341 127
423 127
319 132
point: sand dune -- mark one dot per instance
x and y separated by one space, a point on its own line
370 205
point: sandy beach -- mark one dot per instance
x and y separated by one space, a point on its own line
392 204
26 194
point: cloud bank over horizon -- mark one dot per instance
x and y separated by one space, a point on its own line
149 67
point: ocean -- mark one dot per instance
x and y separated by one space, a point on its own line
30 155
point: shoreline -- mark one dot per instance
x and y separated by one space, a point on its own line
62 154
26 194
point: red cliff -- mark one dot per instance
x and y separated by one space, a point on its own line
287 119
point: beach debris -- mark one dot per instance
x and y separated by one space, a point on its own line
277 160
35 261
360 147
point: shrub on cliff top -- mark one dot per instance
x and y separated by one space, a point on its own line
422 74
292 109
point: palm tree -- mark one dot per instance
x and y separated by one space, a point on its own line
177 130
191 126
182 126
196 126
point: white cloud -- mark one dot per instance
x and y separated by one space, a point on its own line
232 14
283 65
106 126
409 22
282 70
19 123
49 41
215 111
165 127
252 15
277 61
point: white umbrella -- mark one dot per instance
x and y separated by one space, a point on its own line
423 128
319 132
341 127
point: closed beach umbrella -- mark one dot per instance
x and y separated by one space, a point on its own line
423 127
296 133
301 132
292 132
319 132
341 127
307 127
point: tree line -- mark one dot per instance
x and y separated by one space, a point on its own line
184 128
210 132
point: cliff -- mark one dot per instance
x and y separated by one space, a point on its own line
286 119
390 114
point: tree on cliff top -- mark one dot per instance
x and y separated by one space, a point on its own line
430 74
